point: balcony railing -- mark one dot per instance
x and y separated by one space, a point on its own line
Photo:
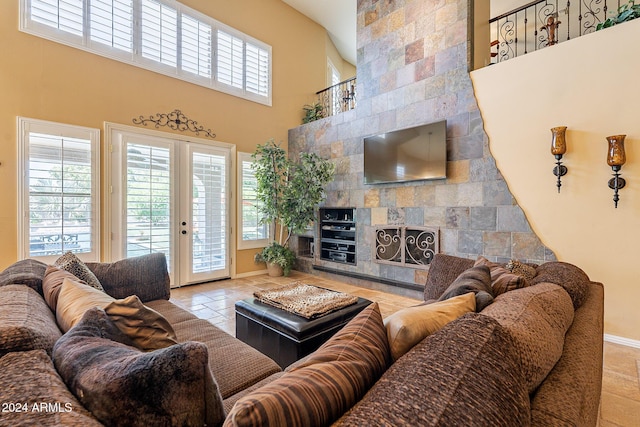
543 23
338 98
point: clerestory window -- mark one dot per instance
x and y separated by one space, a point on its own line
164 36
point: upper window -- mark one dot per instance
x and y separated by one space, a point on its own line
252 234
58 190
159 35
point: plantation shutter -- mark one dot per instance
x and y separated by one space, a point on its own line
111 23
196 46
257 71
61 195
159 32
230 60
65 15
148 200
251 227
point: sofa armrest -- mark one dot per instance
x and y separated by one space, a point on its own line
570 395
145 276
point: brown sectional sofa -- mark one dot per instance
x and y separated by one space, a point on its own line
532 357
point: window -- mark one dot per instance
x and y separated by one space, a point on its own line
58 190
251 233
159 35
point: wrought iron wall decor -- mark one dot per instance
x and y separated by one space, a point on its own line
558 148
175 120
409 246
616 157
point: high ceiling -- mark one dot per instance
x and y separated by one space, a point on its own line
338 17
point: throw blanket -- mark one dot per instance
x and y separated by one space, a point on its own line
305 300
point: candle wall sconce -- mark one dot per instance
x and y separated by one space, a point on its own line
558 148
616 158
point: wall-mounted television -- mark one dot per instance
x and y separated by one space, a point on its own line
412 154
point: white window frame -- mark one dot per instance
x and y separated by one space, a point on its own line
25 127
136 58
246 243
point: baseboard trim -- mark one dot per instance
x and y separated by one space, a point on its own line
622 341
251 274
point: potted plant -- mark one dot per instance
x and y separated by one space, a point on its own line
288 192
625 12
312 112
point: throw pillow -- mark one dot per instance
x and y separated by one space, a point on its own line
409 326
476 280
75 266
571 278
501 280
74 299
116 382
52 282
330 381
148 329
521 269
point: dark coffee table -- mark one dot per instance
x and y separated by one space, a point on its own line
286 337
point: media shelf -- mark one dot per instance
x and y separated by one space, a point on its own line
338 235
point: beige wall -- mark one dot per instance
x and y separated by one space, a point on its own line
49 81
346 69
589 85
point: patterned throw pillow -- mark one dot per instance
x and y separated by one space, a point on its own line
524 270
321 388
75 266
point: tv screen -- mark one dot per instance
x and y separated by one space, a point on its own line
413 154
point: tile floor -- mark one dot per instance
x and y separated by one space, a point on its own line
215 301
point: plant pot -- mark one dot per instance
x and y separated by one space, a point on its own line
274 270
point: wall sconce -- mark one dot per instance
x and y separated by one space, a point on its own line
616 158
558 148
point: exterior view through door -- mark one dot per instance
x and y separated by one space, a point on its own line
171 195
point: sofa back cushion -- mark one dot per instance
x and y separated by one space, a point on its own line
443 270
26 323
319 389
116 382
26 272
538 318
571 278
145 276
466 374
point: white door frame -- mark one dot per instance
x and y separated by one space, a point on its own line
112 182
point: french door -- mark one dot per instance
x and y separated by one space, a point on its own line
171 196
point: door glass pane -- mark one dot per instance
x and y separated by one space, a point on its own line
148 200
209 240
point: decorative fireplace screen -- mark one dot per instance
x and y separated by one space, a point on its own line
411 246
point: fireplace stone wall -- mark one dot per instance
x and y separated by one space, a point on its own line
412 69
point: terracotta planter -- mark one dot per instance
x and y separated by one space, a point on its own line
274 270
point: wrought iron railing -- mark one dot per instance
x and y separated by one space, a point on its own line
338 98
543 23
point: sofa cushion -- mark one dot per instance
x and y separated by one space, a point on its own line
471 363
475 279
145 276
538 318
27 272
147 328
571 278
75 266
171 386
408 326
501 279
52 282
26 323
326 384
29 381
74 299
443 270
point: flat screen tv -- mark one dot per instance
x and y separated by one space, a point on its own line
413 154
